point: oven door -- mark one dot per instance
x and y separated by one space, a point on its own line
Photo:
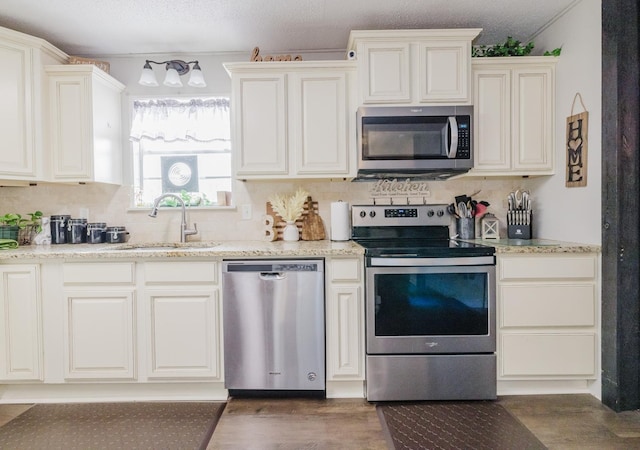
430 305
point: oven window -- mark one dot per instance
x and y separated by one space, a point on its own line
435 304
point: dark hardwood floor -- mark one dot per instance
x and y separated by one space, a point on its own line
564 422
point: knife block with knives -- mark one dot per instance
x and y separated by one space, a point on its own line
519 215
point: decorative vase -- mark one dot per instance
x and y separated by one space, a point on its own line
290 232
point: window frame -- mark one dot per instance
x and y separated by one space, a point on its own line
129 145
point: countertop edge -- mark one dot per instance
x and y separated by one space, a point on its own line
153 251
254 249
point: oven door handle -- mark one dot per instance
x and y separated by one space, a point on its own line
432 262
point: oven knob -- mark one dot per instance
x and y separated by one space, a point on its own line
372 214
440 213
430 213
363 214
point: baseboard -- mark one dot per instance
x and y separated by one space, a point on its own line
115 392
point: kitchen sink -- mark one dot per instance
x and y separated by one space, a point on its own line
168 246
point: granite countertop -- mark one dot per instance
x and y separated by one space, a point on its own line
215 249
537 246
255 249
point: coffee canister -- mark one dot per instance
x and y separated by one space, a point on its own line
77 231
96 232
58 225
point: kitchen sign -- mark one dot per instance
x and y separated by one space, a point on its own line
394 188
577 128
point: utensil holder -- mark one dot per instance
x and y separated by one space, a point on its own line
466 228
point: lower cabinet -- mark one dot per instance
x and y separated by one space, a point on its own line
20 323
142 321
548 317
345 319
99 321
183 308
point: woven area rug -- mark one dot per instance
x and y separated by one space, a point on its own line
455 425
96 426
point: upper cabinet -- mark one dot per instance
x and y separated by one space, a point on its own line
85 124
293 119
23 158
413 67
514 104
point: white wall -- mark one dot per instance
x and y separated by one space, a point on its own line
574 214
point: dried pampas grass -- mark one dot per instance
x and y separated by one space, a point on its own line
290 208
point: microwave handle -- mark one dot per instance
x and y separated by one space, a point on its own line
452 147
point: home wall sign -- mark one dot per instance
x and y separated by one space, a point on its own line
255 57
577 131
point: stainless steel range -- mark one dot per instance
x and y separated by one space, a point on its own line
430 306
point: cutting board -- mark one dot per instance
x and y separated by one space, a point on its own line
312 225
312 232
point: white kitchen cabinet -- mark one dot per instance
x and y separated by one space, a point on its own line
85 124
20 323
99 321
23 153
345 319
293 119
514 105
183 313
548 316
413 67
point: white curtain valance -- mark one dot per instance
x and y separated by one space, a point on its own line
203 120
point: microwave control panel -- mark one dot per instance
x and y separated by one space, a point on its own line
464 137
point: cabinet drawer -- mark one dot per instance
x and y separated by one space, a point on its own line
548 355
547 305
187 272
91 273
551 267
345 269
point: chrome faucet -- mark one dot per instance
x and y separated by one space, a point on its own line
184 230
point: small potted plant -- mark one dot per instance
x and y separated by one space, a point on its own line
14 226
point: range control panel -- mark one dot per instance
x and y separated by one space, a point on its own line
406 215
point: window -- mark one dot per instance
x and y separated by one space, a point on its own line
181 146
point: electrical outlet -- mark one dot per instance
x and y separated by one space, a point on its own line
246 211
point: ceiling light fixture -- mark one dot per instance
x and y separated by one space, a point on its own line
175 68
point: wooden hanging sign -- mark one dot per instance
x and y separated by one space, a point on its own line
577 133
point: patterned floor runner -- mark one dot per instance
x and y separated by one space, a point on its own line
474 425
97 426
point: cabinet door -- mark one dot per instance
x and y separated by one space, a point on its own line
17 152
532 122
70 128
184 329
99 334
259 125
345 333
492 120
345 320
443 71
319 123
20 323
561 355
385 72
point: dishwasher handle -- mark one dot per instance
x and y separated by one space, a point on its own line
272 276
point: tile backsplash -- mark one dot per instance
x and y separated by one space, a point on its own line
111 204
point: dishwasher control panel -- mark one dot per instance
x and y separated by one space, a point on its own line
256 266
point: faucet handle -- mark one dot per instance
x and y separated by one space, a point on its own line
189 231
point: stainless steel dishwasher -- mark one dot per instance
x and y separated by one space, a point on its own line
274 339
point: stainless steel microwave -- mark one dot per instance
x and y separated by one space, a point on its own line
430 142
